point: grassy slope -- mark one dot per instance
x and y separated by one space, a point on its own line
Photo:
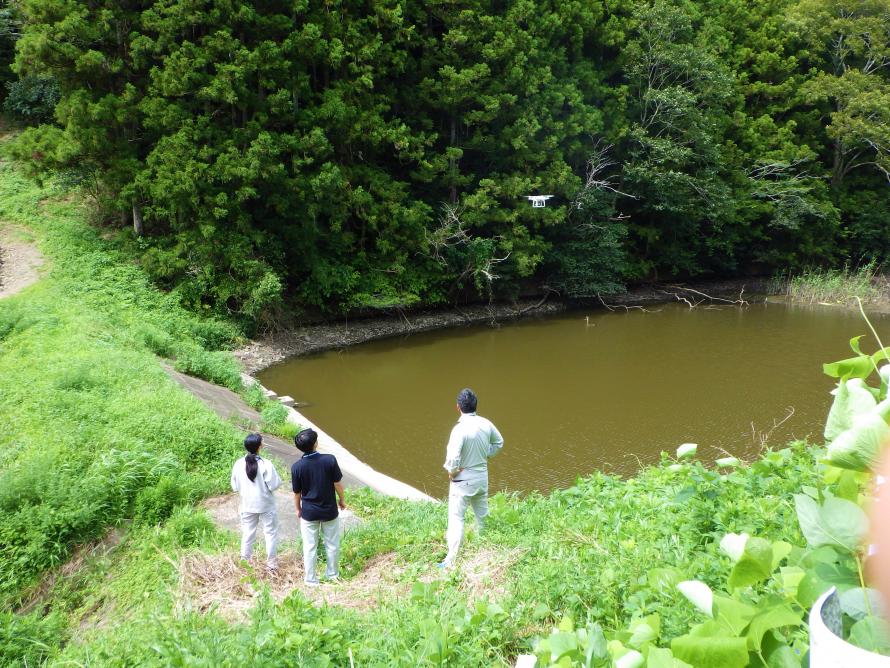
99 436
94 431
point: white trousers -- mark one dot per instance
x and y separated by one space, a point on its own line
330 531
471 491
249 523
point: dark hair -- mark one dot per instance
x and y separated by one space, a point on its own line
252 443
467 401
306 440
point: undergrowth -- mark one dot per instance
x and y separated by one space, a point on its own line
831 286
583 553
95 432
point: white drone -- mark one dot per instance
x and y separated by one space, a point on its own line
538 201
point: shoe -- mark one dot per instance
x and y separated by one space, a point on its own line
443 566
333 580
313 583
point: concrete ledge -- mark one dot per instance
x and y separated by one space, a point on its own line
287 401
349 463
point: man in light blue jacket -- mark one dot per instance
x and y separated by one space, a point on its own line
474 440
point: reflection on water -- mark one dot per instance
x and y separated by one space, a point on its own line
572 396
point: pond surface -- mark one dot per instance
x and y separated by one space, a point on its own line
572 395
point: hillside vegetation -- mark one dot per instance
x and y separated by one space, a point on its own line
263 159
100 438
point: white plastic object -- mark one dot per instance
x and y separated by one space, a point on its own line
829 650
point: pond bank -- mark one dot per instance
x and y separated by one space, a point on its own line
266 351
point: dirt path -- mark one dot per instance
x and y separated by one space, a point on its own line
20 261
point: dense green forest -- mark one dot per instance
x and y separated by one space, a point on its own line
267 158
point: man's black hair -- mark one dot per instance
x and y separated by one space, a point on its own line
306 440
467 400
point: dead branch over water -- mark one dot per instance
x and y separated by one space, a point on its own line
692 302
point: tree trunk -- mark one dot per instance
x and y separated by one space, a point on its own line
452 166
137 220
837 169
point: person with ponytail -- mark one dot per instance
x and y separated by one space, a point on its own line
256 480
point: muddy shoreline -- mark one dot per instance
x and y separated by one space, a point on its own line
266 351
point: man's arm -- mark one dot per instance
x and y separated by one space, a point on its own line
297 504
341 495
452 452
273 480
495 441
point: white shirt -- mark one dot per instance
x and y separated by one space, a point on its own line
474 439
256 495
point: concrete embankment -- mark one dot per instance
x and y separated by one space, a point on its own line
230 406
349 463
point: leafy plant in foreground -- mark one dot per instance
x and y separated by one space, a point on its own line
758 617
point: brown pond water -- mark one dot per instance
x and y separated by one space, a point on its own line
571 396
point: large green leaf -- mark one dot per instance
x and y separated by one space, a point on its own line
854 344
790 578
783 657
882 355
699 594
755 564
781 549
872 634
841 575
853 367
733 545
732 614
837 522
851 398
630 659
860 602
771 618
597 646
661 657
687 450
644 630
562 643
810 589
859 448
707 646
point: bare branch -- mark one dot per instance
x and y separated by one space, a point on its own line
760 438
739 302
449 232
615 307
596 180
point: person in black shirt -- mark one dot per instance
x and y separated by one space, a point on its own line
316 478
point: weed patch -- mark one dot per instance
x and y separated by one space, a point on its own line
832 286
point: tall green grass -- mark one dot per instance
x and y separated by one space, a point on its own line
832 286
94 432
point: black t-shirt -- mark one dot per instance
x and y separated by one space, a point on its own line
313 477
